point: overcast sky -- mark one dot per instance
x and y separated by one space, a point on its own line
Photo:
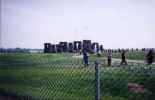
113 23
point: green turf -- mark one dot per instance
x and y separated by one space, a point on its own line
63 77
130 55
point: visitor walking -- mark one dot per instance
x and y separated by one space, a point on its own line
150 57
85 58
109 56
123 58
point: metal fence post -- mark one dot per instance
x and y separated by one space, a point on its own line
97 80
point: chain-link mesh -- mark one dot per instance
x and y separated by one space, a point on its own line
68 82
134 81
44 78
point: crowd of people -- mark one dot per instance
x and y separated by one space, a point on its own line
150 57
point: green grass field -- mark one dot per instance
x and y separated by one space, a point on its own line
130 55
63 77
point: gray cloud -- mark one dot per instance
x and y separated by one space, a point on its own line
115 23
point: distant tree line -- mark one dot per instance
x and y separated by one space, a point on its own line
19 50
129 50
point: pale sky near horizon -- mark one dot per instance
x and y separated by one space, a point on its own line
113 23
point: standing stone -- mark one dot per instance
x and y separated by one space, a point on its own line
101 48
77 46
58 48
87 45
53 48
47 47
63 46
71 48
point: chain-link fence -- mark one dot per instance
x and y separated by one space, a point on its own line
70 80
134 81
128 82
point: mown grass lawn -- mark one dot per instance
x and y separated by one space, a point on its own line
62 77
131 55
